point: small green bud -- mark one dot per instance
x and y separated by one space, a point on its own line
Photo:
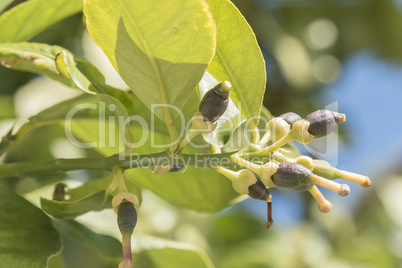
258 191
291 175
323 122
241 180
215 102
126 217
290 117
324 169
305 161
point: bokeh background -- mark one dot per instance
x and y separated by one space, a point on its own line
344 54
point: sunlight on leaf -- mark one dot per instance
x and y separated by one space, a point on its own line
21 22
161 49
238 59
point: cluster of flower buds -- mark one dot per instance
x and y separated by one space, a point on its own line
291 127
244 181
301 173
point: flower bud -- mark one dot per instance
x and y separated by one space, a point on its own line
126 217
290 117
291 175
215 102
323 122
258 191
245 178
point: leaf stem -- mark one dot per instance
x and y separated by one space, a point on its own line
109 163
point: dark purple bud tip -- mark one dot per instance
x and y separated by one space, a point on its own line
290 117
291 175
258 191
215 102
126 217
323 122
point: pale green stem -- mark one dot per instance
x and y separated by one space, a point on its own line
265 139
256 135
118 175
266 112
108 163
191 134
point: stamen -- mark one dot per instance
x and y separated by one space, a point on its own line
341 189
364 181
323 204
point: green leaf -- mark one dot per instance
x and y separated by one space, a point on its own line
4 4
27 236
104 245
32 57
161 49
92 196
72 209
197 188
31 17
238 59
87 77
171 254
84 126
227 123
59 64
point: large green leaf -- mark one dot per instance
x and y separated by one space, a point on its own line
27 236
160 48
92 196
104 245
31 17
197 188
238 59
4 4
